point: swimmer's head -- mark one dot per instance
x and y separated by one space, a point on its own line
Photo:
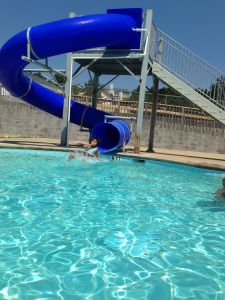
223 182
95 142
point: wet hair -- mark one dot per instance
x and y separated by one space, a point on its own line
223 182
97 140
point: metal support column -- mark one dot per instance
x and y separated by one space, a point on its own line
94 95
155 98
95 90
153 114
143 81
67 99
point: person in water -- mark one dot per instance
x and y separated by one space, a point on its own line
90 150
221 192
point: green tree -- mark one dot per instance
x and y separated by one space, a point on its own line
171 97
77 89
60 79
165 95
135 94
168 91
88 88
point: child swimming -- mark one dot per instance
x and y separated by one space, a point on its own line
221 192
90 150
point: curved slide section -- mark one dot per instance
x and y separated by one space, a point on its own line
74 34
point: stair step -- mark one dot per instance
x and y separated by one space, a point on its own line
188 92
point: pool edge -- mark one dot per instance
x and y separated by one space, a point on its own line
172 158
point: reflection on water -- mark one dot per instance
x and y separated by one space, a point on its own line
110 230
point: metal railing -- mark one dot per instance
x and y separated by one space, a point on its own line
170 116
3 91
188 67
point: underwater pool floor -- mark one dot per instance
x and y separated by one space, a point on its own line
113 229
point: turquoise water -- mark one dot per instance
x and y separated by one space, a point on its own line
108 230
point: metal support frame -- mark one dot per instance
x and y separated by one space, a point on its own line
46 78
77 70
95 90
102 54
60 86
143 81
46 67
108 82
127 69
155 98
89 73
107 117
66 107
83 68
43 71
153 114
64 141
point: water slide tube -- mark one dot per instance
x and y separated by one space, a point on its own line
112 30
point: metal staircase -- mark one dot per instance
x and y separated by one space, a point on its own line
188 74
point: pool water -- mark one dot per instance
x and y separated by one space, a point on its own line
114 229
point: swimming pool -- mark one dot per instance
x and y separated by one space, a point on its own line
108 230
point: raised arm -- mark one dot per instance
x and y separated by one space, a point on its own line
86 146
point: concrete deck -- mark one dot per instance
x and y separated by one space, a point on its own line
199 159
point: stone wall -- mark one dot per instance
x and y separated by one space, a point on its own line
188 139
21 119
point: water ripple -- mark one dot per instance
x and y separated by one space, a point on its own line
115 230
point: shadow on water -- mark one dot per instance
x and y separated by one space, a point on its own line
217 204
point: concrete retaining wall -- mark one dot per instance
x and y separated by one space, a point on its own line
21 119
189 139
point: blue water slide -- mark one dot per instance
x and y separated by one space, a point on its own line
112 30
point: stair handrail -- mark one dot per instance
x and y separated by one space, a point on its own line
192 53
188 67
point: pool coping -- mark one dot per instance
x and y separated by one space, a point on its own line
172 161
190 158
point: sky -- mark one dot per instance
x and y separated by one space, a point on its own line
199 25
